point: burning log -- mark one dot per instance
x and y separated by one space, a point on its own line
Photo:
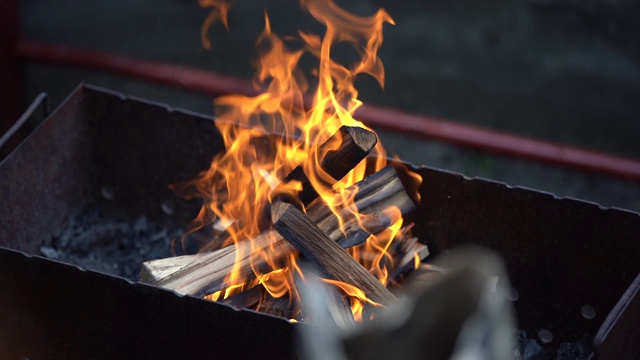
246 299
403 256
205 273
407 253
279 306
376 194
356 144
316 246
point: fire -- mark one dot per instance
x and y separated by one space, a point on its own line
239 182
219 12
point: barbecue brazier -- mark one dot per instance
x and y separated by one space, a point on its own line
561 254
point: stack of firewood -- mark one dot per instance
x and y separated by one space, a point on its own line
319 235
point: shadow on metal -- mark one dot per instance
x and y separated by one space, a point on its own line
618 336
30 119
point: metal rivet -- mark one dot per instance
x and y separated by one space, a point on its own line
545 336
167 207
512 294
107 192
588 312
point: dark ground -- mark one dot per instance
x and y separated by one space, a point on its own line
561 70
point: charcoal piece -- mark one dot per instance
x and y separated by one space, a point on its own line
96 241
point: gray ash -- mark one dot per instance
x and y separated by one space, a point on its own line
530 349
96 241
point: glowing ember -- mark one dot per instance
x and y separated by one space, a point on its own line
238 186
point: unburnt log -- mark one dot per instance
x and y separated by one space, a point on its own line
317 247
205 273
155 270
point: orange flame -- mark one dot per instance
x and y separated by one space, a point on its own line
237 186
356 296
378 245
219 12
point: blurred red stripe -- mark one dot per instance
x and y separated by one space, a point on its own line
421 126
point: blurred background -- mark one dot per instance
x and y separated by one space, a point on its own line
566 71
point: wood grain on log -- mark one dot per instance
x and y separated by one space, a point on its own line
406 259
306 236
205 273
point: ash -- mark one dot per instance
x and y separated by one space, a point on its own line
99 242
530 349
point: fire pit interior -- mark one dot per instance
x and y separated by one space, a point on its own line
98 169
137 229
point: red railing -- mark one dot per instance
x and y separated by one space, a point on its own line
426 127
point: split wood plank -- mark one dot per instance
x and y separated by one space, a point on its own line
306 236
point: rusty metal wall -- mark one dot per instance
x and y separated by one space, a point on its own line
561 254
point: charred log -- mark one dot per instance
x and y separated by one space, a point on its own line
351 144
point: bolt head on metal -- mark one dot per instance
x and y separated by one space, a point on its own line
545 336
168 207
588 312
107 192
